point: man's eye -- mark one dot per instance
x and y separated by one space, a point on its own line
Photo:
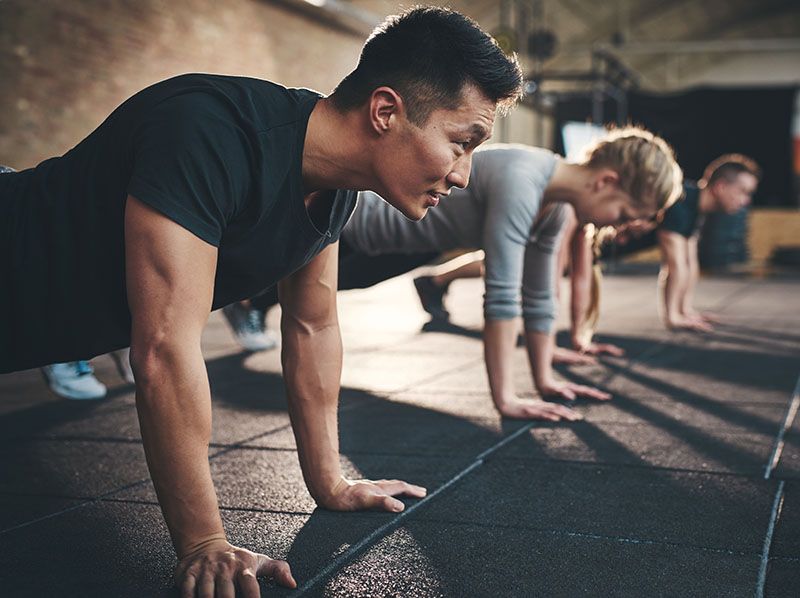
463 144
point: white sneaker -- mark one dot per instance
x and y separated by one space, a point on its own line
122 359
248 327
74 380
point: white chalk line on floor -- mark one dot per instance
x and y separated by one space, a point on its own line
776 511
788 419
389 527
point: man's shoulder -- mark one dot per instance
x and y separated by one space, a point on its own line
259 102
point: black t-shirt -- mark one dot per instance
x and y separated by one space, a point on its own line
221 156
684 216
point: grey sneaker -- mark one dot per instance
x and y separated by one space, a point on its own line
249 328
74 380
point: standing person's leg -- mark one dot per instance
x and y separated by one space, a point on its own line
71 380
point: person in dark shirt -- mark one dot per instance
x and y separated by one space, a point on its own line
203 190
727 185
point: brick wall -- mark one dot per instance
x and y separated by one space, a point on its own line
66 64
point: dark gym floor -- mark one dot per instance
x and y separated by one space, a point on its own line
686 484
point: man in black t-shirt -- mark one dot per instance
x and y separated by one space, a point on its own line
727 186
203 190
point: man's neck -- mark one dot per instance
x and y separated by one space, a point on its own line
706 202
333 154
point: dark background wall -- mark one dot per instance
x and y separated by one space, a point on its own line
702 124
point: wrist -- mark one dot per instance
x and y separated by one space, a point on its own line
191 548
324 494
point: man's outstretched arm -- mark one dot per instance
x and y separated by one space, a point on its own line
312 367
170 281
674 280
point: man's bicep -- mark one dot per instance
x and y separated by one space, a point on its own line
169 273
310 293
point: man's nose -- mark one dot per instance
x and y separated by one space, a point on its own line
459 176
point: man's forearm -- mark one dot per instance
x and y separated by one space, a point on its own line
688 294
312 369
174 407
673 287
692 276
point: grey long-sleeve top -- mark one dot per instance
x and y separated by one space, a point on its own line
498 213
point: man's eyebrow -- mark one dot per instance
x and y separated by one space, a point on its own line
479 131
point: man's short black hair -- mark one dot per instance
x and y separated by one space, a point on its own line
428 55
728 167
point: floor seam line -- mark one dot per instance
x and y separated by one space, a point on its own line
776 511
788 419
389 527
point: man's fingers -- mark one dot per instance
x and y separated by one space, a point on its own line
248 584
205 586
187 586
399 487
277 570
391 504
224 588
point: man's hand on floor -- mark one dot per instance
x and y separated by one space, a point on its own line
218 568
358 495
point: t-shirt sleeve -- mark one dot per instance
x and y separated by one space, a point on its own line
510 213
190 163
676 219
539 272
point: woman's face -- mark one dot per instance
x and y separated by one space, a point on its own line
606 204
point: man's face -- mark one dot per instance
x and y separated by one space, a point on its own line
417 166
734 195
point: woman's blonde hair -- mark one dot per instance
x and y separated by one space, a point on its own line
644 162
597 237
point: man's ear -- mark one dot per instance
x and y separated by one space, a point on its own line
605 177
385 106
